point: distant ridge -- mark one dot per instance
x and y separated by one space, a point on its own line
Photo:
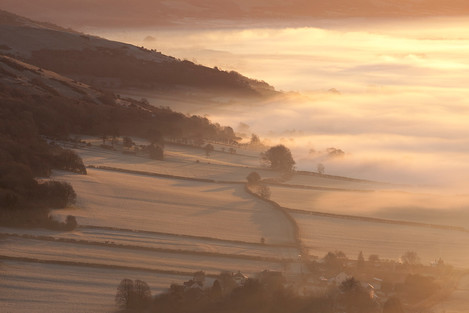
187 13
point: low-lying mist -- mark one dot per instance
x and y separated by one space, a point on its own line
391 94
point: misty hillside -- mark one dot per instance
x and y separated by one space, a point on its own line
58 106
111 64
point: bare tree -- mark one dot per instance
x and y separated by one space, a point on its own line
410 258
142 293
125 293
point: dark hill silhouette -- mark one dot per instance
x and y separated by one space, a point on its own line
114 64
38 104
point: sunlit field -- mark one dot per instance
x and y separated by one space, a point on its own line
373 110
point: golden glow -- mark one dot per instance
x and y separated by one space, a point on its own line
404 98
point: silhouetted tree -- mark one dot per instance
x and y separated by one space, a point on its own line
373 258
208 149
70 222
253 178
321 168
279 157
356 299
410 258
335 260
128 142
255 140
125 294
216 290
360 260
156 152
142 294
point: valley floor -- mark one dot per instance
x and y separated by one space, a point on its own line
161 221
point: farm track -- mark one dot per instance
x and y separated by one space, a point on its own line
291 220
141 248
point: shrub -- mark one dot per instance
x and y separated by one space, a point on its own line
253 178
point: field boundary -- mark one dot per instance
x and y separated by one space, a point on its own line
128 171
272 183
258 244
97 265
141 248
377 220
291 220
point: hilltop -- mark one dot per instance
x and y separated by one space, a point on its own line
114 65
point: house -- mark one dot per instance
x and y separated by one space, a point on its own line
239 278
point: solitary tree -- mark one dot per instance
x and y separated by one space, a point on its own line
156 152
410 258
321 168
125 293
360 260
253 178
70 222
255 140
133 295
280 158
208 149
128 142
142 294
373 258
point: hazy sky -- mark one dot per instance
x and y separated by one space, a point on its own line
123 13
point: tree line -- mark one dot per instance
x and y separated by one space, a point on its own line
28 116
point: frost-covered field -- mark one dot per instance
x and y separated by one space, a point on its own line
140 202
47 288
145 240
181 161
162 229
315 180
128 258
132 223
389 241
420 207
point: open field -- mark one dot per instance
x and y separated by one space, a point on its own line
181 161
157 241
335 182
449 210
161 229
128 258
389 241
140 202
219 166
50 288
